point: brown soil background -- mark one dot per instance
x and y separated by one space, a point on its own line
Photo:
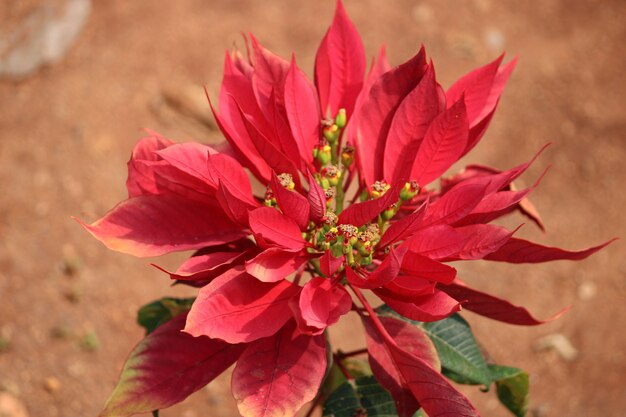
68 304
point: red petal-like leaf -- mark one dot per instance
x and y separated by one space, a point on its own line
281 132
517 251
386 272
269 74
455 204
483 239
340 65
149 173
409 125
427 308
277 375
360 213
274 264
493 307
498 204
167 179
302 111
479 126
404 227
376 114
409 338
477 86
206 267
190 158
292 203
316 198
477 132
494 206
166 367
423 267
443 144
231 124
378 68
482 88
407 288
322 303
235 204
274 156
237 307
273 226
437 242
329 264
155 225
225 169
141 179
433 392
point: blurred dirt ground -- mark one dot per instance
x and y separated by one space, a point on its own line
68 304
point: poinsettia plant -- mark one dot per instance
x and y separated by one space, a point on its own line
350 204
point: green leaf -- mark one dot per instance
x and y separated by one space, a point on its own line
499 372
159 312
512 387
335 377
459 379
458 350
363 394
343 402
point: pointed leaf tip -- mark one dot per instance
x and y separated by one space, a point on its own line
340 65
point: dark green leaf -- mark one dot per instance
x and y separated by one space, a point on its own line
459 379
155 413
161 311
499 372
361 394
512 387
343 402
458 350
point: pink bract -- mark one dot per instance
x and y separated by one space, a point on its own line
275 269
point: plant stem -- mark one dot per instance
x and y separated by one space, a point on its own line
344 355
342 368
298 276
371 314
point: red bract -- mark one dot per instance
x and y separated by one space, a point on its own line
275 268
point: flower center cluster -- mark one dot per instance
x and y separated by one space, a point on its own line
357 245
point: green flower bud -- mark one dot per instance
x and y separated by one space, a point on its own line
347 155
410 190
341 119
366 260
379 188
323 153
331 134
332 173
388 213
